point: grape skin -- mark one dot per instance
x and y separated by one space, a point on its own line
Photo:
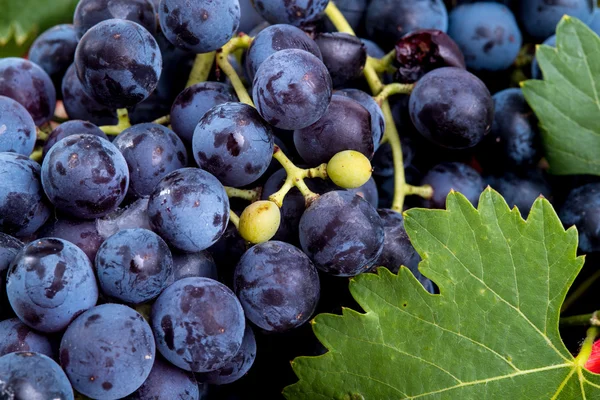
112 367
70 128
82 233
344 55
91 12
198 324
581 209
540 17
9 248
49 283
368 191
188 265
295 12
15 336
520 191
377 118
17 129
167 382
452 176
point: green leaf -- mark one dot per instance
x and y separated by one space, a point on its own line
567 101
21 21
492 333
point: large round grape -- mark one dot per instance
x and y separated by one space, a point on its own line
342 233
200 26
167 382
118 62
292 89
82 233
377 118
9 248
273 39
455 176
521 191
108 352
151 151
134 265
85 176
233 143
49 283
188 265
91 12
16 336
189 208
198 324
452 108
344 55
540 17
32 376
70 128
292 12
23 206
277 285
581 209
17 129
30 85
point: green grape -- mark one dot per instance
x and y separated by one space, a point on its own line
259 221
349 169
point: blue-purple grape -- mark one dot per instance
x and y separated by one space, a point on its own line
377 118
9 248
82 233
540 17
368 191
452 176
294 12
344 55
108 352
15 336
17 129
581 209
134 215
167 382
228 250
521 191
50 282
354 12
189 265
189 208
91 12
70 128
249 17
198 324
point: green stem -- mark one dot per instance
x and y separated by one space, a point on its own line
201 70
393 89
41 135
37 154
163 120
235 219
250 195
581 289
123 123
239 42
578 320
383 64
586 347
425 191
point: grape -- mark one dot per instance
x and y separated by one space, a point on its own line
49 283
346 125
79 105
93 165
353 11
487 33
344 55
536 72
422 51
377 118
189 209
193 102
23 207
342 233
54 51
151 152
249 17
452 108
198 324
383 160
515 139
9 248
581 209
30 85
540 17
238 366
17 129
294 12
135 215
91 12
397 249
188 265
389 20
118 62
349 169
32 376
373 49
15 336
452 176
368 191
167 382
594 21
134 265
200 26
233 143
82 233
292 89
107 352
520 191
260 221
277 285
70 128
273 39
228 250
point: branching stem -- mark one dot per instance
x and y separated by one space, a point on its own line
165 120
250 195
393 89
383 64
239 42
581 320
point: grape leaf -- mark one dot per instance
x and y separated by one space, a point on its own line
567 101
21 21
492 333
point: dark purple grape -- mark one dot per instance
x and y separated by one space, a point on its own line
30 85
198 324
23 206
82 233
540 17
353 11
292 89
452 176
377 118
249 17
91 12
227 251
70 128
151 152
233 143
167 382
294 12
118 62
368 191
521 191
344 55
50 282
193 102
108 352
92 165
424 50
17 129
373 49
16 336
134 215
342 233
582 209
79 105
346 125
9 248
452 108
189 265
383 160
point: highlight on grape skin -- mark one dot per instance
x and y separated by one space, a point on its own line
259 221
349 169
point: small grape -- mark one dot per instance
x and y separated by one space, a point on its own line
349 169
259 221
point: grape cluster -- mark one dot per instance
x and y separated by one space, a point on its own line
178 199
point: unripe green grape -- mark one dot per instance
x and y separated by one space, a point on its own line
349 169
259 221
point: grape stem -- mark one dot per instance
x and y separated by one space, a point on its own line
240 42
41 135
295 177
586 348
581 289
393 89
234 219
201 70
123 123
384 64
37 154
401 188
165 120
251 195
581 320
